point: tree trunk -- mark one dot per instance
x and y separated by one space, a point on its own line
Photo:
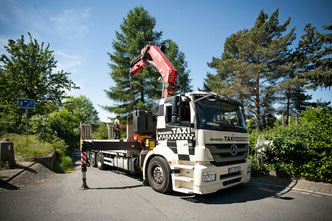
258 112
287 105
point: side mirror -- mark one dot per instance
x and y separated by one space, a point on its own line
176 109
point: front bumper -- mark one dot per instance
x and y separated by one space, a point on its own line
224 179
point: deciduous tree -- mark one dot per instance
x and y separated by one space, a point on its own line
27 71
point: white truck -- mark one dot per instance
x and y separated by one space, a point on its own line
194 143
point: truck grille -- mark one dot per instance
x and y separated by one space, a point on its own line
222 154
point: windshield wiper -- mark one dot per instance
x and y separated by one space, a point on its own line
202 98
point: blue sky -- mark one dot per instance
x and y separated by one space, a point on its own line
81 32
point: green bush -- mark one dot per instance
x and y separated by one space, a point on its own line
284 170
63 164
253 136
60 146
304 149
258 170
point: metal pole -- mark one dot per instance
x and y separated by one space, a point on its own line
26 121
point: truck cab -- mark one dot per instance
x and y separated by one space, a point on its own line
202 140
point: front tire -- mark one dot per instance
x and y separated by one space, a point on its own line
159 175
100 161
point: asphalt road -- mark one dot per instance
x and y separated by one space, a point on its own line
114 195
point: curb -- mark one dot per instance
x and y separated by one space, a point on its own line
309 192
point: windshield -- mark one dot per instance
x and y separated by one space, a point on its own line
219 115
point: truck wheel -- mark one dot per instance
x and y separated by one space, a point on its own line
93 159
100 161
159 175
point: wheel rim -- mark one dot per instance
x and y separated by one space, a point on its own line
158 174
98 160
92 158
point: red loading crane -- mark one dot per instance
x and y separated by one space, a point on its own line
151 55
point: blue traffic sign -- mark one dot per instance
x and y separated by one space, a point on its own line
26 103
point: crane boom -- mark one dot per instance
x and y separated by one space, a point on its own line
151 55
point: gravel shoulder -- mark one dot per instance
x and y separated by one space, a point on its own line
30 175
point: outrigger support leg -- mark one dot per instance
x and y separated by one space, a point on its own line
84 169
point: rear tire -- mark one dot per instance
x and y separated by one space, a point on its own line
100 161
159 175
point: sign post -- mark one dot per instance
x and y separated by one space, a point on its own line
27 104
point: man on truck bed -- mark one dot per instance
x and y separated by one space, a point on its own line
117 125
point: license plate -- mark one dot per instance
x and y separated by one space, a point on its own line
234 169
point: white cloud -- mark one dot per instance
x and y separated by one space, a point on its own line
24 17
70 23
67 62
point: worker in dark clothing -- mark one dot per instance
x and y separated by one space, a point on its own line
117 125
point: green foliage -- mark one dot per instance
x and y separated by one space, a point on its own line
27 72
256 169
253 136
63 164
65 123
314 50
249 65
284 170
59 123
101 133
60 146
32 148
36 148
82 108
304 149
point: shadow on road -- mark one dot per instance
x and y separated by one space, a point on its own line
251 191
116 188
7 186
256 189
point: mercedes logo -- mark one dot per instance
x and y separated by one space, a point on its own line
233 149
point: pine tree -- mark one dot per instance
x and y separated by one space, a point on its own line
315 50
291 87
136 31
249 63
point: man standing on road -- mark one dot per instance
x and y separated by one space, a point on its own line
117 125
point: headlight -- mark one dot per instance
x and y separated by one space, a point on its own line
249 169
209 176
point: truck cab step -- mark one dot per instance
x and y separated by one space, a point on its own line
184 190
182 166
184 178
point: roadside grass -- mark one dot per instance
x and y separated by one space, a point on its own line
35 148
29 148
